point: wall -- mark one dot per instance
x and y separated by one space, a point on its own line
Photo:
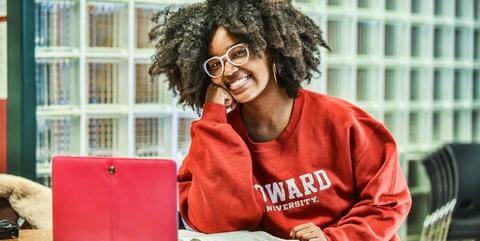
3 86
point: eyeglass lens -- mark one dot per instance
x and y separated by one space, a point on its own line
237 56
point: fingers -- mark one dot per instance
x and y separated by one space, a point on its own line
316 235
300 227
228 99
219 95
307 231
230 103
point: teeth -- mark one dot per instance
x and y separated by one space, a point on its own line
239 82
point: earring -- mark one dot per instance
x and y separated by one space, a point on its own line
274 70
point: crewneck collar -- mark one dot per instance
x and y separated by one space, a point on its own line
239 125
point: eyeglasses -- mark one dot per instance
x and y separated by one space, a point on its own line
236 55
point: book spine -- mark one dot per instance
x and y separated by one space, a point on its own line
68 82
68 28
109 83
103 133
103 83
54 26
48 141
92 93
48 19
115 27
61 23
92 26
44 23
141 84
39 84
111 138
39 145
100 26
138 25
109 26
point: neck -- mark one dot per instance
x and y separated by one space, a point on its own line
268 115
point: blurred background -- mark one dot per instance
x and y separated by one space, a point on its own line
75 75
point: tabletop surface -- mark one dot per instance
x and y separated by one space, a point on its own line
33 235
46 235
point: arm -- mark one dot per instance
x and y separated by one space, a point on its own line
384 199
216 179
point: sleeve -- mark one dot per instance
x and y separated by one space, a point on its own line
384 199
215 181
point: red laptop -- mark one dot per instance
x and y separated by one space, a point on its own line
115 199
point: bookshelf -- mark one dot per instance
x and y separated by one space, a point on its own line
94 95
414 65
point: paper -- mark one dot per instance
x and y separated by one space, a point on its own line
185 235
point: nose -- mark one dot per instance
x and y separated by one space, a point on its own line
229 69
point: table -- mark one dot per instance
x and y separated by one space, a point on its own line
33 235
46 235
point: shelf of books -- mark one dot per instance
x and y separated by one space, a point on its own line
414 65
94 94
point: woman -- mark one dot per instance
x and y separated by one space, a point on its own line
285 160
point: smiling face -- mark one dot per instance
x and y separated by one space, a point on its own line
246 82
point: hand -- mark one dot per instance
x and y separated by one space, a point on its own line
219 95
308 232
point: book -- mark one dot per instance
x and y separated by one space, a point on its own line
67 69
106 83
115 21
53 23
92 90
186 235
39 83
92 22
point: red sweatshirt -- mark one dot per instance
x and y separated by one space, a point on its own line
333 165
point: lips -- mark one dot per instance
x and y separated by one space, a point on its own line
239 82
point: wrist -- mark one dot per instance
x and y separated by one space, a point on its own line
215 112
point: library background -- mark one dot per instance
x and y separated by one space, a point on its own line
414 65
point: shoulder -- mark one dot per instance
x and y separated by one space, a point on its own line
346 122
330 108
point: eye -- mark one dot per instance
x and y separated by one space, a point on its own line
240 53
214 65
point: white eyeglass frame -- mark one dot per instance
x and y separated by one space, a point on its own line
225 56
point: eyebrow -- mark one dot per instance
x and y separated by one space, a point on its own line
238 42
232 45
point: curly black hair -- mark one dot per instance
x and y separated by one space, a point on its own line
182 36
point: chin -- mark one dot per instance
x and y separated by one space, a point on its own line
250 94
246 96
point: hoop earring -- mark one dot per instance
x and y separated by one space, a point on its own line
274 70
